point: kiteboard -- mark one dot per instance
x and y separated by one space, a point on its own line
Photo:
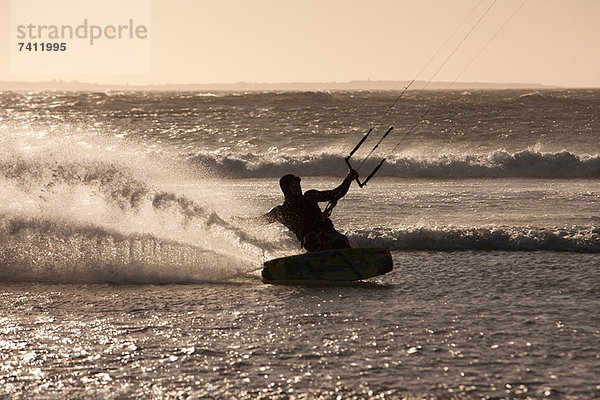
338 265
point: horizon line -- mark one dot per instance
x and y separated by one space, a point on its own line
54 84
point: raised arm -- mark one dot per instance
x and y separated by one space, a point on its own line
333 194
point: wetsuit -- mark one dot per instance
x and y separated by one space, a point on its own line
303 216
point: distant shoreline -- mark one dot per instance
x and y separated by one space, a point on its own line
60 85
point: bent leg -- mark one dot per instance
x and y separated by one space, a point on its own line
325 240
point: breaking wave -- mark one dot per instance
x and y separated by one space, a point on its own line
545 99
498 164
576 239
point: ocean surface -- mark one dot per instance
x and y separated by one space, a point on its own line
128 267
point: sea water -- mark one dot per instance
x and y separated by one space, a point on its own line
130 266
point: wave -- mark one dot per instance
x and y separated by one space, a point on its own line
545 98
37 250
77 210
497 164
575 239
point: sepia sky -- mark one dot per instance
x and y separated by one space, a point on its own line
553 42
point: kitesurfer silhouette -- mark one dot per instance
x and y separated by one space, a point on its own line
301 214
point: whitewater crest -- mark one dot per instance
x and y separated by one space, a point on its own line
569 239
529 163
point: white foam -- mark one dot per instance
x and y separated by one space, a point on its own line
570 239
529 163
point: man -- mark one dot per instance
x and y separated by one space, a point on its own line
301 214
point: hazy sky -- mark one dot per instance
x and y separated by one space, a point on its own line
555 42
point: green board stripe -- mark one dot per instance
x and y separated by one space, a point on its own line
350 265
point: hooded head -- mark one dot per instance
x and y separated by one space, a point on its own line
286 181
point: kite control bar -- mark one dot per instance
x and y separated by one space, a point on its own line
347 159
